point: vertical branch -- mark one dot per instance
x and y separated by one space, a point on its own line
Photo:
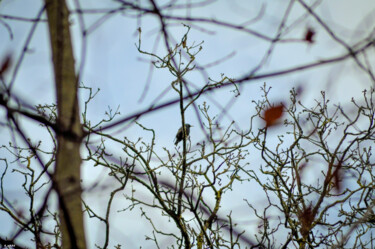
182 180
69 131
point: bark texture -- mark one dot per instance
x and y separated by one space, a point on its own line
69 132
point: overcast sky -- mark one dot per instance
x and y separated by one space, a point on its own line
114 65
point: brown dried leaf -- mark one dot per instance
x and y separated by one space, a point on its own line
306 218
337 179
300 171
5 65
309 35
273 114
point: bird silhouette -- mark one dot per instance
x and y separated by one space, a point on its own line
179 135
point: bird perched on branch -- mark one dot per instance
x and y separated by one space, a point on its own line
179 135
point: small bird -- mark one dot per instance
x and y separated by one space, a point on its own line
179 135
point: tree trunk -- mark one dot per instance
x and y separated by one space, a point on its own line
69 129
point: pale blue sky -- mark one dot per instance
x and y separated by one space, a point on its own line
114 65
